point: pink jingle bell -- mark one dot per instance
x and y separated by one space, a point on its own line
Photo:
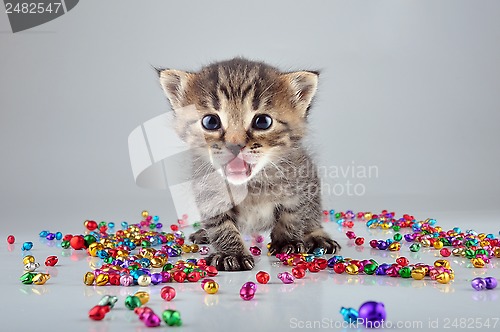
250 284
152 320
126 280
148 317
255 251
247 293
204 250
286 277
167 293
350 235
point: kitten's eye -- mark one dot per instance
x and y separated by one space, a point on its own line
211 122
262 122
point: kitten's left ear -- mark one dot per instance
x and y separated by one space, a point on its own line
303 85
175 84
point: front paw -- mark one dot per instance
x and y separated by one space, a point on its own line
286 247
231 262
322 240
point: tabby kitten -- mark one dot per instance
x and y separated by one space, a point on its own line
244 122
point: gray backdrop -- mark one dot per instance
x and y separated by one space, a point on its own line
408 87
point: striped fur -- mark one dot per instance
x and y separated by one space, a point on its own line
281 190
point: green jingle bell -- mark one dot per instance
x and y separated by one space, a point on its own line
27 278
370 268
415 247
172 317
132 302
405 272
89 239
469 253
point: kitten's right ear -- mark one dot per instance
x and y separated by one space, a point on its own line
174 84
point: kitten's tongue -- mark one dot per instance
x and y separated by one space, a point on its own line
237 166
238 171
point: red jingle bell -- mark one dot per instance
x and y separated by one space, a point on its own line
323 263
339 268
179 276
402 261
298 272
313 267
77 242
359 241
91 225
51 261
262 277
211 271
98 312
114 279
194 276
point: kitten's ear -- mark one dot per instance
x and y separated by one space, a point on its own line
174 84
303 85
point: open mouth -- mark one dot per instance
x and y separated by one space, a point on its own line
237 170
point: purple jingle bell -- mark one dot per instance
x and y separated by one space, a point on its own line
490 282
478 283
382 245
380 271
372 313
331 262
408 237
286 277
156 278
171 252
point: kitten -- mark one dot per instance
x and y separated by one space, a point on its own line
244 122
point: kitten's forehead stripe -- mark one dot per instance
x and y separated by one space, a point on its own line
256 98
245 92
225 91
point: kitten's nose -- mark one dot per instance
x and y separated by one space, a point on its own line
235 148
